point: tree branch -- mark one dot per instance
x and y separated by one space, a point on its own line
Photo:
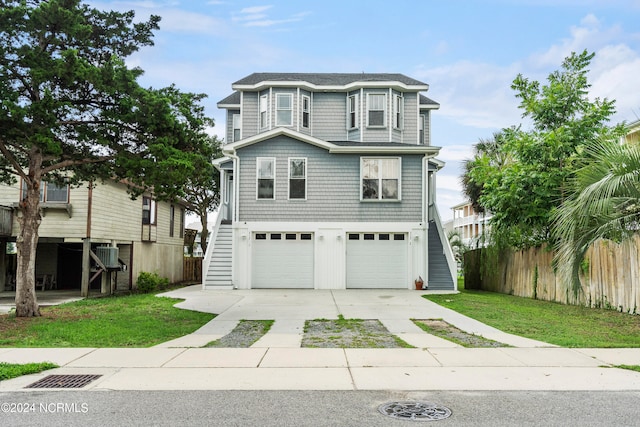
12 160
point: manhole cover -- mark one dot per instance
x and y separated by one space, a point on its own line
415 411
64 381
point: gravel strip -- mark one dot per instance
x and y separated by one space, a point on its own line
442 329
244 334
349 333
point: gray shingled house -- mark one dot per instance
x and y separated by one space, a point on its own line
328 182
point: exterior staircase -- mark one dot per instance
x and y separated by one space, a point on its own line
439 273
218 273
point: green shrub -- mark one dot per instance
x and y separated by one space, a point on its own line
150 282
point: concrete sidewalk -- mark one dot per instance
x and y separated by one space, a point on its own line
276 361
335 369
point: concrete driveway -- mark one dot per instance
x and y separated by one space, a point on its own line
291 307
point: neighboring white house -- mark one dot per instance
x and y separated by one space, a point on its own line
473 227
131 236
328 182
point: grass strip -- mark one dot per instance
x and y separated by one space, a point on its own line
554 323
137 320
630 367
14 370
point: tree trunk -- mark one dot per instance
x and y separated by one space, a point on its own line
27 242
204 234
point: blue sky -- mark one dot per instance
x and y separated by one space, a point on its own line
469 52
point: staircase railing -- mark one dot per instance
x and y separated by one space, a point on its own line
446 247
210 245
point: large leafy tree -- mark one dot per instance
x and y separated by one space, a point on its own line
202 189
523 193
72 110
605 204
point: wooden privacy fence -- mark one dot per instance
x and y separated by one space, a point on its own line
192 269
610 275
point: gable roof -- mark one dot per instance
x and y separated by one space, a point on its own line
343 147
329 81
231 101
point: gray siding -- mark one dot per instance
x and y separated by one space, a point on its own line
410 131
329 119
250 114
333 186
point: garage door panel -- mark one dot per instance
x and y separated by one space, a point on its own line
377 261
282 263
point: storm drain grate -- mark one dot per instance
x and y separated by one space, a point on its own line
64 381
415 411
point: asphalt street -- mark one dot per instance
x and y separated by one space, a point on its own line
313 408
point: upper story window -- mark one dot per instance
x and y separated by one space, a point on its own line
149 211
266 175
422 124
306 111
398 111
50 192
376 109
284 109
298 178
264 104
352 111
380 178
236 127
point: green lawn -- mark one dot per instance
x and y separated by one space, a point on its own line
563 325
12 370
141 320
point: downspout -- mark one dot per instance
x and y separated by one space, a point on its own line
425 218
236 213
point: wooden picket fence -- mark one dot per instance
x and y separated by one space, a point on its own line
611 277
192 271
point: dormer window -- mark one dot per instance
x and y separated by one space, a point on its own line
284 109
376 109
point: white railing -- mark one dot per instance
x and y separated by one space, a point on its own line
446 247
210 245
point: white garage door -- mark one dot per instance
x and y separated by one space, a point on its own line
377 260
282 260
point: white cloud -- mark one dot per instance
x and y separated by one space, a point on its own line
456 153
255 9
474 94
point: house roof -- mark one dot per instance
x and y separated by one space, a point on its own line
334 146
328 81
424 103
231 101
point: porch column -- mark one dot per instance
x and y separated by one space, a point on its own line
86 266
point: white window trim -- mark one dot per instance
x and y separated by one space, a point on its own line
355 106
398 104
264 110
380 199
306 164
384 111
235 116
308 111
258 159
44 198
290 109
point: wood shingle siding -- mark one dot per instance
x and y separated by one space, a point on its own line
333 186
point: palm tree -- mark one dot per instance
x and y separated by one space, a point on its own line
605 205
